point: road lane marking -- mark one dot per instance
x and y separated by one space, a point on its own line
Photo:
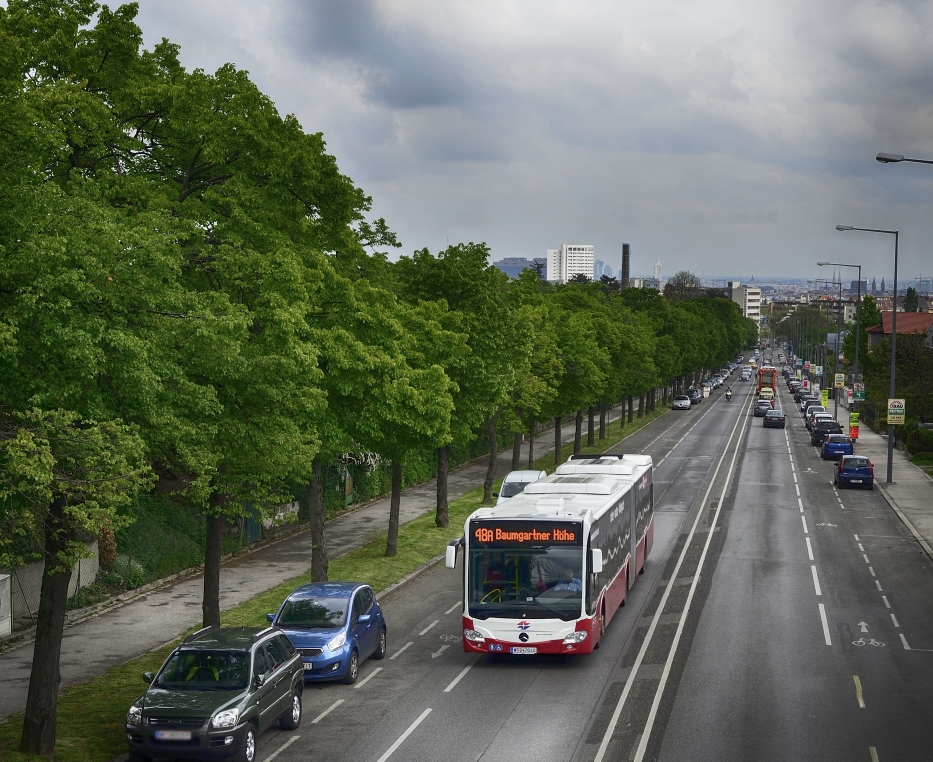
439 652
797 487
804 520
816 581
874 754
401 738
885 599
282 748
872 571
326 712
866 558
800 503
368 677
455 606
856 538
904 641
858 691
826 637
861 548
661 461
794 474
429 626
878 585
399 652
462 674
894 619
809 548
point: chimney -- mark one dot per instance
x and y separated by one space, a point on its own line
624 280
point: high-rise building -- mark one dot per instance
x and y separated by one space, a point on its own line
570 260
599 267
747 297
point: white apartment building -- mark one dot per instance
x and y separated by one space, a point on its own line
569 260
748 298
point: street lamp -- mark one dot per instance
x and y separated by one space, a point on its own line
858 309
895 233
896 158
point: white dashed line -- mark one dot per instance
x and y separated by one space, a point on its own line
904 641
816 581
861 548
866 558
894 619
878 585
872 571
885 599
326 712
368 677
401 739
399 652
804 520
457 605
829 640
462 674
809 548
429 626
282 748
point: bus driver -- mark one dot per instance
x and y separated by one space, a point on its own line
569 582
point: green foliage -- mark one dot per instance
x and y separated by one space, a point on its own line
911 300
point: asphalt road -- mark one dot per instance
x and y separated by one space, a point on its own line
765 627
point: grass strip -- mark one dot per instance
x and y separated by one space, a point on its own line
91 714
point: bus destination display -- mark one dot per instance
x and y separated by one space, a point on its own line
519 534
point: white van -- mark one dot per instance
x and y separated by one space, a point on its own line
515 482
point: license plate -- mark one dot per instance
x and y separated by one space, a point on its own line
855 481
523 650
173 735
307 666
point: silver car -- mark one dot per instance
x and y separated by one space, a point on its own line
681 402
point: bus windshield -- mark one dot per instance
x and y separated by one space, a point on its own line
541 582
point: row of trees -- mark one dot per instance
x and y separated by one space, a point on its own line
191 294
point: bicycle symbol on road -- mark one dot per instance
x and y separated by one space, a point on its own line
450 638
821 524
867 642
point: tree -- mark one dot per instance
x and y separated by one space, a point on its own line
683 285
911 301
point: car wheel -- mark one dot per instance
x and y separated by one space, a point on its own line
247 751
382 646
292 718
353 669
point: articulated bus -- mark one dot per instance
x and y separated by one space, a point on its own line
545 571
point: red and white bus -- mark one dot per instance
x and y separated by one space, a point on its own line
545 571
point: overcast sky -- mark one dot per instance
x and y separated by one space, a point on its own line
724 137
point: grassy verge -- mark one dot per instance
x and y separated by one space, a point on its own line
90 715
924 460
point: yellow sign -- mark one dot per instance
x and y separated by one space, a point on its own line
824 394
896 412
853 419
840 380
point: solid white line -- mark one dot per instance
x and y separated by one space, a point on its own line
462 674
282 748
872 571
816 581
894 619
455 606
326 712
829 640
429 626
368 677
809 548
885 599
904 641
804 520
398 653
404 735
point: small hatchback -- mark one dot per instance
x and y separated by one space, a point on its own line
835 446
681 402
762 407
335 626
854 470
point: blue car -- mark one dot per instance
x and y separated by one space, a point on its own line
854 470
835 446
335 626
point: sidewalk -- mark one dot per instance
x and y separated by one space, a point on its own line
121 633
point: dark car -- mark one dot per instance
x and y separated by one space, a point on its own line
762 407
215 694
336 626
835 446
695 395
774 419
823 429
854 469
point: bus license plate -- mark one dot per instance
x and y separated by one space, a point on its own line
173 735
523 650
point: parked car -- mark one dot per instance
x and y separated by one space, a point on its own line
695 395
823 429
774 419
215 694
854 469
810 412
515 482
808 402
837 445
336 626
681 402
812 419
762 407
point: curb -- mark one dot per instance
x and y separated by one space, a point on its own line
396 586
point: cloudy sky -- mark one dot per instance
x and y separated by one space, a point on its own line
725 137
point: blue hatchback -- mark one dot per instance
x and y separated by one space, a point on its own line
854 469
835 446
335 626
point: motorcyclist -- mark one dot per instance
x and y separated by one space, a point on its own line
728 392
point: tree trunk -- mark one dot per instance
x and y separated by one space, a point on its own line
493 457
517 451
441 515
577 432
557 439
210 605
394 505
631 407
316 511
39 723
591 427
641 405
603 412
531 444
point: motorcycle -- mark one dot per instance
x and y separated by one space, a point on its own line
728 395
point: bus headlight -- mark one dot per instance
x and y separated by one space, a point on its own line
473 636
575 637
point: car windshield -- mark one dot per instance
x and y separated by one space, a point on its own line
511 489
763 403
855 463
774 414
838 439
205 671
323 613
681 398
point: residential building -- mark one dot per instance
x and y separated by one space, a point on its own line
570 260
747 297
645 283
907 322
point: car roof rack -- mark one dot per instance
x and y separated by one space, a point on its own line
193 635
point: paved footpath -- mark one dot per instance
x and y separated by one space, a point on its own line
116 635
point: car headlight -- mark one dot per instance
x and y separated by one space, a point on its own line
575 637
134 716
226 719
473 636
337 642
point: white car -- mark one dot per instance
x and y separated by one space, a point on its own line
515 482
681 402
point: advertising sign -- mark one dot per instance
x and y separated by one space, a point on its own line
853 426
818 369
858 392
806 365
840 380
824 397
896 412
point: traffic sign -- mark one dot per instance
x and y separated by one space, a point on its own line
840 380
896 412
818 370
858 392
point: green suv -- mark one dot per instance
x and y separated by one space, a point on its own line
215 694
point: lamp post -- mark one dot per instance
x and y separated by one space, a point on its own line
846 228
858 316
